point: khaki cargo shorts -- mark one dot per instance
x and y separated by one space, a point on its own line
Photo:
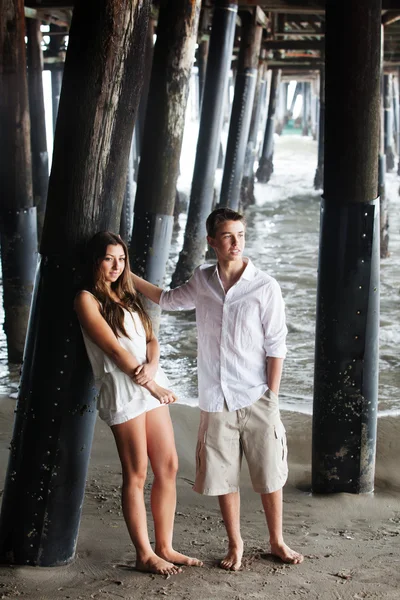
258 432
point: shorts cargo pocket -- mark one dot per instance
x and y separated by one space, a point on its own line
280 436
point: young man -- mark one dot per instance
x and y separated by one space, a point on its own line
241 346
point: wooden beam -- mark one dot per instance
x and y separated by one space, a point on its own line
294 45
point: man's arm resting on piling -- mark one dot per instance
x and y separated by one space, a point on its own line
152 292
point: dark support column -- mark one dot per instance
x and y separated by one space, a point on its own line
55 413
162 140
346 351
266 165
306 102
17 213
319 174
140 121
202 50
383 200
201 197
247 188
245 85
388 122
40 157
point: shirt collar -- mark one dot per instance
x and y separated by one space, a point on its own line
248 273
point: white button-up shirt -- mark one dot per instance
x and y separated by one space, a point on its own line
237 331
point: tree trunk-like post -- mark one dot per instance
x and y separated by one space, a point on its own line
266 165
319 174
247 186
40 157
388 121
18 226
201 197
55 413
243 101
346 355
126 224
162 141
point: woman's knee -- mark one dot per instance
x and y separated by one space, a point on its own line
134 478
166 468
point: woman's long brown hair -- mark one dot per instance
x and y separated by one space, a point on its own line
113 312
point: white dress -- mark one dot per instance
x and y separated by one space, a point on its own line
119 397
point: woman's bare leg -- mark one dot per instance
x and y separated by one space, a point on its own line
131 443
164 462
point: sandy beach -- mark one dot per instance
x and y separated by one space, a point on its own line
351 543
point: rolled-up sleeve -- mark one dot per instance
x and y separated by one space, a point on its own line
180 298
274 322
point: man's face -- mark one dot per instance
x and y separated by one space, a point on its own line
228 242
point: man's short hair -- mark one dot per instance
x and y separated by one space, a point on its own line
220 215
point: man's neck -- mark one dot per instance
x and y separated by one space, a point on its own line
230 272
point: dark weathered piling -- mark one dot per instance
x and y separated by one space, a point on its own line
247 187
319 174
17 213
40 157
162 141
388 121
201 197
202 50
266 165
306 108
346 356
245 85
55 414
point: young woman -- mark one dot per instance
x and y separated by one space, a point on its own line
133 398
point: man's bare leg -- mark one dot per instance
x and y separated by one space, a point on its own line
230 509
272 504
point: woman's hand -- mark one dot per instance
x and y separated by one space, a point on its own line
145 373
163 395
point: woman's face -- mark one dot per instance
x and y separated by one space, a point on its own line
113 263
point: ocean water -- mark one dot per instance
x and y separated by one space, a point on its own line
282 239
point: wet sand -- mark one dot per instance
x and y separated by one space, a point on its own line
351 543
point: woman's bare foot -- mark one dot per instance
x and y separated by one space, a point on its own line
233 560
156 564
286 554
179 559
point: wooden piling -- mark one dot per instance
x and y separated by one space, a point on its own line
319 174
162 140
201 197
266 165
17 214
346 352
245 85
55 414
40 157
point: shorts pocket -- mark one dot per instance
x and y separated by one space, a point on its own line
280 436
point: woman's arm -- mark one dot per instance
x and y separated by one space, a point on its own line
148 370
152 292
97 328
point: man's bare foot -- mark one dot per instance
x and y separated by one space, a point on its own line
179 559
286 554
156 564
233 560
